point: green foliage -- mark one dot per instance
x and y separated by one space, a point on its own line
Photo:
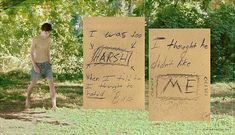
222 24
177 17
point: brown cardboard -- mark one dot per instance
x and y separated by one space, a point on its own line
179 74
113 62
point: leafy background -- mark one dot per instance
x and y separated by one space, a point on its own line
21 20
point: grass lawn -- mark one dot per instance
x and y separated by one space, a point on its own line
71 118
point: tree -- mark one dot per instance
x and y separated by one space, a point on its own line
222 24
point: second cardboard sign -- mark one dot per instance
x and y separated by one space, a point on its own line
179 71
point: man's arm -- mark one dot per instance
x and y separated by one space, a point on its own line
49 56
32 49
48 52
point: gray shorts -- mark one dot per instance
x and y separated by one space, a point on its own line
45 71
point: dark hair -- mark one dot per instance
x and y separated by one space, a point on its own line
46 27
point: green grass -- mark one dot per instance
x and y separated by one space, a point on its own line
71 118
87 122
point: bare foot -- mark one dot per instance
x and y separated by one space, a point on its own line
54 108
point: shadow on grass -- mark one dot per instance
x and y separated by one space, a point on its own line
223 94
223 102
223 107
33 116
12 104
67 96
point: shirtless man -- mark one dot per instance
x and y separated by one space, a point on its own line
41 64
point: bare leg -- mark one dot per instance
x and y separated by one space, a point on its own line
29 91
52 92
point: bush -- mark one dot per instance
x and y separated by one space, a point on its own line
222 24
177 17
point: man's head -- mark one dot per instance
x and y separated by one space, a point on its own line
46 28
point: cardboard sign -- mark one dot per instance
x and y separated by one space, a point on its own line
113 62
179 74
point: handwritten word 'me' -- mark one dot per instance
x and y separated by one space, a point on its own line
176 83
180 83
